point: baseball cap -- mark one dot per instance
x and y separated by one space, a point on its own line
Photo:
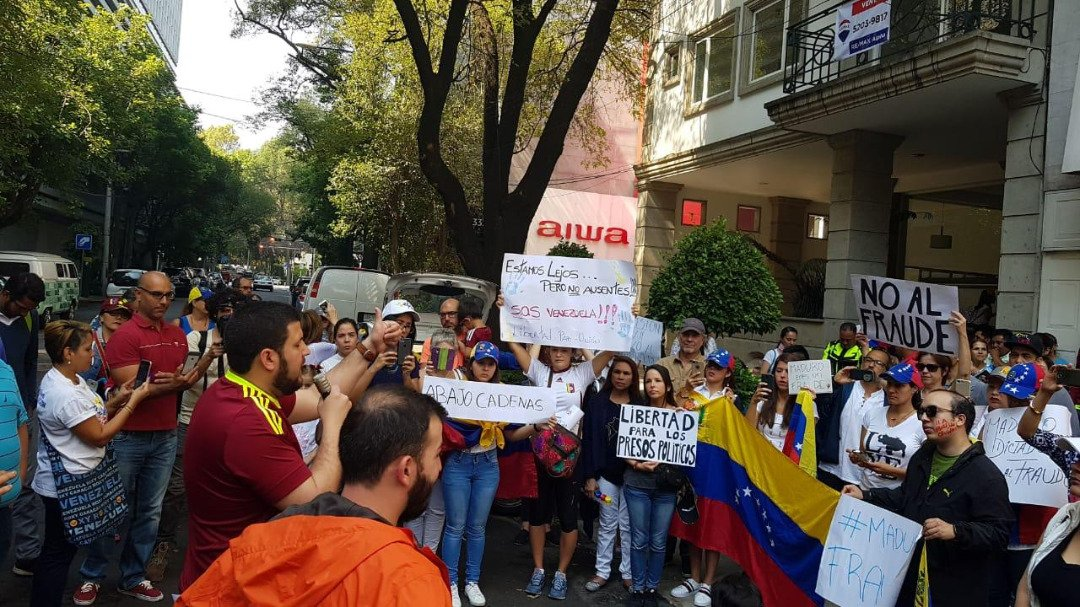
199 293
692 324
1023 381
115 303
904 373
485 350
397 307
998 375
721 358
1031 341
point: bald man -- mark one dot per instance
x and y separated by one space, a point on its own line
146 447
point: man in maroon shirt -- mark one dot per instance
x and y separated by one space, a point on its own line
243 464
146 447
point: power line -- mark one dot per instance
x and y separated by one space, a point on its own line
184 88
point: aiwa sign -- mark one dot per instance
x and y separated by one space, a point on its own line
860 26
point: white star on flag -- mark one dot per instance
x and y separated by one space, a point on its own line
798 446
1013 389
746 491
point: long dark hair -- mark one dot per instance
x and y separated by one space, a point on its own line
669 388
634 390
768 407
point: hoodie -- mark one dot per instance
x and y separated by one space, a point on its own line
329 552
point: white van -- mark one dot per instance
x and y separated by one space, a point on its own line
60 275
355 292
427 290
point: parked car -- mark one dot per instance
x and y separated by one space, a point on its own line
355 292
122 280
427 290
180 277
262 282
215 281
60 275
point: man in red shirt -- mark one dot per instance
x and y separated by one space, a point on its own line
146 447
243 464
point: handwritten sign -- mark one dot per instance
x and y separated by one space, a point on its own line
1032 476
866 555
491 402
568 302
914 315
646 341
652 434
813 374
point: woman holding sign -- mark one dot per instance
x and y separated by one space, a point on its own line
773 404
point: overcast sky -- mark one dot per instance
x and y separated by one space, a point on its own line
228 71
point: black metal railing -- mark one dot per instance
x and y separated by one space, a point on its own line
915 25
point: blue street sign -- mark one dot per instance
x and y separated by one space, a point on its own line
224 259
84 242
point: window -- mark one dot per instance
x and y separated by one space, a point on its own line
693 212
766 40
60 271
748 219
714 62
817 226
672 62
11 268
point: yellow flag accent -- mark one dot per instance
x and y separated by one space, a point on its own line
922 581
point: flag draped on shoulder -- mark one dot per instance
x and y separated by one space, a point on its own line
800 445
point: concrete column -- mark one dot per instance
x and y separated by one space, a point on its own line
859 210
1020 264
787 230
657 204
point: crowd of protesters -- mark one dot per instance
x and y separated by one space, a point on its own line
304 460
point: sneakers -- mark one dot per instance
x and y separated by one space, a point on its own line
685 589
144 591
476 598
595 584
558 587
86 594
536 583
159 561
24 567
455 599
703 598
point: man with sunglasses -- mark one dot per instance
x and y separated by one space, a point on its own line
961 499
146 447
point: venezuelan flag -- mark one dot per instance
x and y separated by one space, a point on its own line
517 470
800 445
758 508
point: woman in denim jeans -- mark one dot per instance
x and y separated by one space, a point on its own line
650 508
470 478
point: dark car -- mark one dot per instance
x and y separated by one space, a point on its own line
180 277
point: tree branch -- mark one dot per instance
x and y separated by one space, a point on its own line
325 74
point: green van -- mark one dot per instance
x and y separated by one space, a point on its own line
60 275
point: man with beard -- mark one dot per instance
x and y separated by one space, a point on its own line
348 549
243 464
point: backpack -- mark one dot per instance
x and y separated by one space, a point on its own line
557 449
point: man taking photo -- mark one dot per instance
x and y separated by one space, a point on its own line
348 548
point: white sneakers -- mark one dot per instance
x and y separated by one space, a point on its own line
703 598
702 592
472 591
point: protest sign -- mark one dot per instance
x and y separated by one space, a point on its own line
568 302
813 374
569 418
1032 476
652 434
646 341
491 402
914 315
866 556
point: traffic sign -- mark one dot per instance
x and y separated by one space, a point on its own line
84 242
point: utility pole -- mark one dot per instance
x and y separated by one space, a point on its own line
107 231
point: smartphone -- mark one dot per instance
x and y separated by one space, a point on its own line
769 381
190 362
443 358
1068 377
861 375
404 348
858 329
142 374
861 456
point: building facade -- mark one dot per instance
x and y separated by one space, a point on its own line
935 157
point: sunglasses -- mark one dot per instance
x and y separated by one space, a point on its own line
928 368
931 411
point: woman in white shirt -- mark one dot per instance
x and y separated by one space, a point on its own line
892 434
771 413
77 424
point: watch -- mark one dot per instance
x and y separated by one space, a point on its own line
369 355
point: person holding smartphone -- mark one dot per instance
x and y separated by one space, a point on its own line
390 367
890 435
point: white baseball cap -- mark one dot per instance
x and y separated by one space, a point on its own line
397 307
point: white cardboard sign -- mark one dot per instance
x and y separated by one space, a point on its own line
646 341
866 555
568 302
814 374
914 315
491 402
1032 476
652 434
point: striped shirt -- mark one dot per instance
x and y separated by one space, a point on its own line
12 417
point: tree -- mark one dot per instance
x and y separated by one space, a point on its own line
565 248
718 277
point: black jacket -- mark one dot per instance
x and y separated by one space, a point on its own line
830 410
599 434
972 496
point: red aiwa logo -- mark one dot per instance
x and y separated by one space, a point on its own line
576 231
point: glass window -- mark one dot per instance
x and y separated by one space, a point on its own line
817 227
767 40
60 272
672 62
713 62
748 219
72 271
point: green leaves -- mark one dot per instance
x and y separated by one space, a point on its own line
716 276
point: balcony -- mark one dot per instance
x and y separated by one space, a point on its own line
979 47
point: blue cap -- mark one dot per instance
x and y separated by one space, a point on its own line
721 358
1023 381
904 373
484 350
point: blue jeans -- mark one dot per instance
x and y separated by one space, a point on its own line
145 460
469 484
650 518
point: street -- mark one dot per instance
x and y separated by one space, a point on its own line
506 565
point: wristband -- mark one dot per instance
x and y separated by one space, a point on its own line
1034 410
369 355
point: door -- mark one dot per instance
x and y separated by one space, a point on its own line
1059 300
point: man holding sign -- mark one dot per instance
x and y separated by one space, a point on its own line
960 498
